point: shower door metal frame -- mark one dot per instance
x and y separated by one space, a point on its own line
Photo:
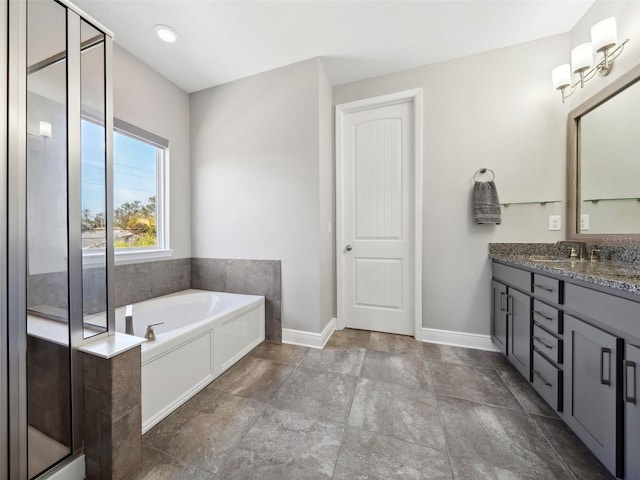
16 285
4 408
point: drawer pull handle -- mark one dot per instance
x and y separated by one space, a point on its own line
605 381
627 364
509 307
536 312
545 344
544 380
543 287
502 295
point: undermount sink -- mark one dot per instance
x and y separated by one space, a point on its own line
535 258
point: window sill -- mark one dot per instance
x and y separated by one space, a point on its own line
125 257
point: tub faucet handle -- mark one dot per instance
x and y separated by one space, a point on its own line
151 335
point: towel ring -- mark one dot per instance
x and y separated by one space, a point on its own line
482 171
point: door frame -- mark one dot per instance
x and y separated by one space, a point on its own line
415 98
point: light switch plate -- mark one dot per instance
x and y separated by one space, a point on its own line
584 223
555 222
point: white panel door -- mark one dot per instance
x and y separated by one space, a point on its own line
378 219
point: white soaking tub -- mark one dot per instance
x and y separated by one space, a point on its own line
203 334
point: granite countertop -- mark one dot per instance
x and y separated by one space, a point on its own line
616 274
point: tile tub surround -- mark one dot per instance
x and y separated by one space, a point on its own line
301 420
133 283
251 277
112 415
136 282
141 281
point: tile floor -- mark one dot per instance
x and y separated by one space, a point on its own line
368 406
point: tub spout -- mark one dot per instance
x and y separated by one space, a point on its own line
128 320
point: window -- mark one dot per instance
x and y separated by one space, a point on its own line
139 193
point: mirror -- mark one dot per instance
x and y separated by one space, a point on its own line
603 167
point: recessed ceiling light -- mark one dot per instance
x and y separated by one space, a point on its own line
166 34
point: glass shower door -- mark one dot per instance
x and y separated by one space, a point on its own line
49 436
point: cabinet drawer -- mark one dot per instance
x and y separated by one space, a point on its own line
512 276
547 380
615 312
547 344
548 288
547 316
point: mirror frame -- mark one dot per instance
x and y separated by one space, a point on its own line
573 166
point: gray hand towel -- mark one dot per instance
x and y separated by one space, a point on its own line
486 206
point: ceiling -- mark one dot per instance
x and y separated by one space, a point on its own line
222 41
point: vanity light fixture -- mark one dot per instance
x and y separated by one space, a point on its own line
165 33
45 130
604 41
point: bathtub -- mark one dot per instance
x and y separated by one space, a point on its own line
203 334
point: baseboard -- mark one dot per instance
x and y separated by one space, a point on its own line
458 339
309 339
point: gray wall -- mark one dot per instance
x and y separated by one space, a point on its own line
147 100
494 110
326 174
257 185
611 217
143 98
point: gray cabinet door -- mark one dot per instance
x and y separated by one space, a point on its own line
631 413
499 315
519 331
591 359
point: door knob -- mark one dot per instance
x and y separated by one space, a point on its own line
348 248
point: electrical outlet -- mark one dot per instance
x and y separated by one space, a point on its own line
584 223
555 222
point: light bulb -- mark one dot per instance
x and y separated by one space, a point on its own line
604 34
561 76
166 34
582 58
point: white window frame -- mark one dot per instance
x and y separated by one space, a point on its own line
162 249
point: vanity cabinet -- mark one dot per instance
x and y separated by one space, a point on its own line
631 411
547 380
580 348
499 315
591 389
511 315
519 329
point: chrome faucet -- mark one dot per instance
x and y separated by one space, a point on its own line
128 320
578 249
151 335
582 250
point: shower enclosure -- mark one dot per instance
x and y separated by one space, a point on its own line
57 271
